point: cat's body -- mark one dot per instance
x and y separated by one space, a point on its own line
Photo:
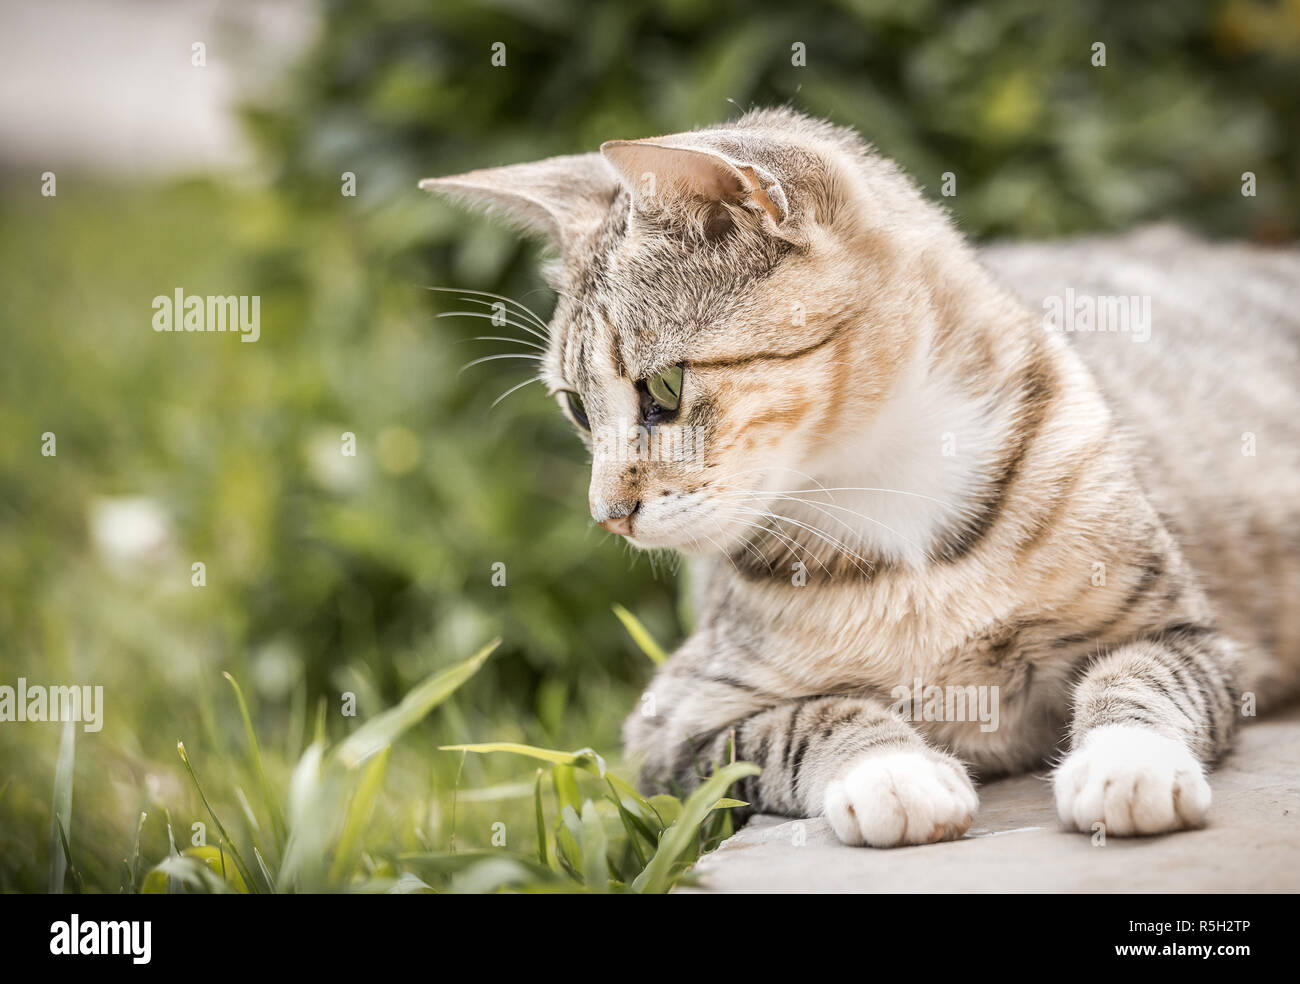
1211 403
907 482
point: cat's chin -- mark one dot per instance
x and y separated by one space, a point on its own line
682 545
661 543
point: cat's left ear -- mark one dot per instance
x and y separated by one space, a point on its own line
657 170
557 198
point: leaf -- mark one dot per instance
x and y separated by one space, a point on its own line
255 754
636 829
67 854
409 884
569 802
541 820
225 837
640 635
667 808
499 868
185 870
61 809
304 785
267 880
171 887
677 839
304 850
358 815
135 851
584 758
214 859
385 728
595 866
532 751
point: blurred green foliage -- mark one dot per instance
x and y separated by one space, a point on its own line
365 574
1003 94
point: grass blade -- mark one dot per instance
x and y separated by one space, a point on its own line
175 873
266 873
595 866
569 801
135 853
358 815
61 809
383 729
225 837
640 635
173 886
541 820
308 822
636 829
584 758
255 755
67 854
532 751
658 874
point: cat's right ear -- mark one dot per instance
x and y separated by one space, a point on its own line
667 170
556 198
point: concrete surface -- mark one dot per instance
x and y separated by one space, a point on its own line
1015 844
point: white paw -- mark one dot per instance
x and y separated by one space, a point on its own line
1133 781
892 798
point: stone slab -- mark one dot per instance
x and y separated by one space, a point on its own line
1016 844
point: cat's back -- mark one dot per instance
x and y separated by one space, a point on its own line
1197 349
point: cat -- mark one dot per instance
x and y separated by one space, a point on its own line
908 477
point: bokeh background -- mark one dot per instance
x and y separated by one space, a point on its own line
329 574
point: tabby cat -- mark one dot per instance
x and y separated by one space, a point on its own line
913 491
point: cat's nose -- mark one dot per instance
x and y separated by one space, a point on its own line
616 518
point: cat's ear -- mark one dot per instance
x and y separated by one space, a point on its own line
556 198
653 169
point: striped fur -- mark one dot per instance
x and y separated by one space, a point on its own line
907 478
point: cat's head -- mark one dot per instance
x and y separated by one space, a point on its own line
729 307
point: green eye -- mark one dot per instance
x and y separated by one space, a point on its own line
665 388
577 409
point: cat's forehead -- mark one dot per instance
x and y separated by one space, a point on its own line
641 294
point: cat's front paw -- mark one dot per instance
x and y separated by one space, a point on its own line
887 799
1132 781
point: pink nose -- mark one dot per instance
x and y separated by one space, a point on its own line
622 525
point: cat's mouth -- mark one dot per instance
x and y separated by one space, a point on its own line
687 523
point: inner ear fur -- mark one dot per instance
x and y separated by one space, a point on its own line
664 171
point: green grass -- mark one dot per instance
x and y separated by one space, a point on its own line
592 831
320 583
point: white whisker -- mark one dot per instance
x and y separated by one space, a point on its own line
512 389
493 358
790 543
822 507
495 321
745 543
504 338
819 533
500 297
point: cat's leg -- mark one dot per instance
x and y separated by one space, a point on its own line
869 772
1149 717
